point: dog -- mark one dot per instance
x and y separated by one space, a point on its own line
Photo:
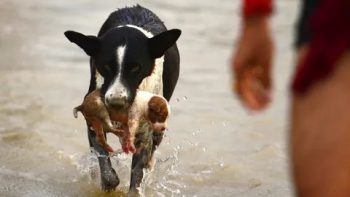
133 50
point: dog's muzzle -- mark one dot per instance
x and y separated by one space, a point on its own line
117 102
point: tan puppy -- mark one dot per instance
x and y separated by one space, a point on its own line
97 116
148 107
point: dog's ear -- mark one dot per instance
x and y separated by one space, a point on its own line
90 44
161 42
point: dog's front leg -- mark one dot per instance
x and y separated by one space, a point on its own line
109 178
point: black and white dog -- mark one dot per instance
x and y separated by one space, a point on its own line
133 50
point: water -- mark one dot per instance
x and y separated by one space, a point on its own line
213 146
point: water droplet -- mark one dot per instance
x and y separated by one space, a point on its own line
184 98
224 124
177 100
196 132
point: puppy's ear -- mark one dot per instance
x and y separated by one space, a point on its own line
160 43
153 105
90 44
152 111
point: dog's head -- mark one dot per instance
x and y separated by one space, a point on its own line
124 56
158 113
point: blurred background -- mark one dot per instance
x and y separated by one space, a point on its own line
213 146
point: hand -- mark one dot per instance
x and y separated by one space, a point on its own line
251 64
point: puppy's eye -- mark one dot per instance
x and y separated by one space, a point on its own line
135 68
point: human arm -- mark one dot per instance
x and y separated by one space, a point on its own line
251 63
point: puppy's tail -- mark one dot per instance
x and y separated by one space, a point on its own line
75 111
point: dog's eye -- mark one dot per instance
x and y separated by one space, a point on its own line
135 68
107 67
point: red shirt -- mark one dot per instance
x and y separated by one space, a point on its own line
330 28
257 7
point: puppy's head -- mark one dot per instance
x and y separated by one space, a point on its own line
158 113
123 57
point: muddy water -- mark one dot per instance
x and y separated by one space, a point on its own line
213 147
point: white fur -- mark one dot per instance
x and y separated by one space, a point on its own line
158 126
99 80
147 33
117 89
154 82
139 111
120 55
140 104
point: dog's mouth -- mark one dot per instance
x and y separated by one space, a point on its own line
118 104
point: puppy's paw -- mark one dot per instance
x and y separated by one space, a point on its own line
108 148
129 148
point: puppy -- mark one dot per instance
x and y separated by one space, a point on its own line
147 107
97 117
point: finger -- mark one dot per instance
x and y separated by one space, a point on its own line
266 64
251 91
262 76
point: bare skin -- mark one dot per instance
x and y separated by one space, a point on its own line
320 135
320 118
97 116
251 64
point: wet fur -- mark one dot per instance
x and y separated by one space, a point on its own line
97 116
147 107
144 52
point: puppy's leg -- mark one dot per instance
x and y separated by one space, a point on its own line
157 138
127 144
109 178
117 132
112 129
133 125
141 158
100 135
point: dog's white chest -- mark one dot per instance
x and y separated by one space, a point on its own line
154 82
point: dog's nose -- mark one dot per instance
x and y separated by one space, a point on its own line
118 100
